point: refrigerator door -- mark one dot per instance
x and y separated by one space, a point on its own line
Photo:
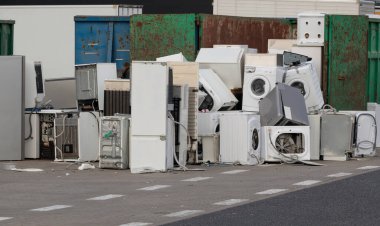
12 108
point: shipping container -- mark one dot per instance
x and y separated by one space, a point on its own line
345 61
156 35
102 39
290 8
373 82
6 37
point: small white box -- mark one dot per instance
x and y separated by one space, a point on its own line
311 29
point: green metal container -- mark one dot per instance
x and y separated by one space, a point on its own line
373 82
6 37
345 62
156 35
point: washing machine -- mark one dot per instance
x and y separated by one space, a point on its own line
376 108
219 96
240 138
365 135
285 143
306 79
258 82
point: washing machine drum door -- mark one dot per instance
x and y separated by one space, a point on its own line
301 85
260 87
255 139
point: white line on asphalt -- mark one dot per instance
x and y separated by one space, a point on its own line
50 208
339 175
184 213
136 224
5 218
234 171
307 182
230 202
105 197
368 167
271 191
152 188
194 179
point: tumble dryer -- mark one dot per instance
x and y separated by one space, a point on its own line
365 133
285 143
306 79
240 138
258 82
219 97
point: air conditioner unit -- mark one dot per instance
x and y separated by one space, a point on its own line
258 82
226 62
315 136
90 84
240 138
114 142
337 135
311 29
365 132
152 132
285 143
219 96
305 79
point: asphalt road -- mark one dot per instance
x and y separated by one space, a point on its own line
352 201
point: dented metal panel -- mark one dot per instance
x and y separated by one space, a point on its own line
345 61
253 32
6 37
102 39
155 35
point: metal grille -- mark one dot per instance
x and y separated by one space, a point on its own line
116 101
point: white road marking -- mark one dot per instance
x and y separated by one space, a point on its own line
368 167
5 218
136 224
152 188
234 171
105 197
51 208
230 202
339 175
307 182
270 191
184 213
195 179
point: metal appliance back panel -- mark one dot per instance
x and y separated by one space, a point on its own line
61 92
69 137
12 110
117 101
87 87
337 133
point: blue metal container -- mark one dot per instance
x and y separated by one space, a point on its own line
102 39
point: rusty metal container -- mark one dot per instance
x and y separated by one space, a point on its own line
6 37
156 35
345 62
102 39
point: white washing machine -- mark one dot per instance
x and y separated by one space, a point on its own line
365 133
208 123
315 135
285 143
258 82
219 96
240 138
306 79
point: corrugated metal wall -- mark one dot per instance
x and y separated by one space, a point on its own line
6 37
